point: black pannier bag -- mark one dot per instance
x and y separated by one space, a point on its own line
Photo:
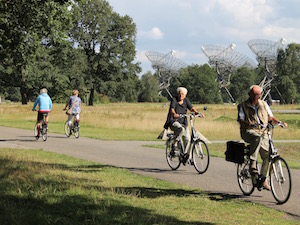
235 152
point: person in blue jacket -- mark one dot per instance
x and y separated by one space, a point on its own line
45 104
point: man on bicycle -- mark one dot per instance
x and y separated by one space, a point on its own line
45 104
179 105
253 116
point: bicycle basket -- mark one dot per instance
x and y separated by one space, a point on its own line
235 152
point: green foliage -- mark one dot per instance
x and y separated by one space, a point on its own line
108 40
24 25
288 69
150 89
241 80
201 85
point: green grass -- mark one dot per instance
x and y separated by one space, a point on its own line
39 187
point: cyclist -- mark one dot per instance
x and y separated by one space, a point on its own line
179 105
253 116
74 104
45 104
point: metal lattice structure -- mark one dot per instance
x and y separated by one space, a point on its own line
266 54
225 60
166 66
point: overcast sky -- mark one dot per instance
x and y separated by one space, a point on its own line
186 25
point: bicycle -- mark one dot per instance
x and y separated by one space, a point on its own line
278 175
75 127
43 129
200 153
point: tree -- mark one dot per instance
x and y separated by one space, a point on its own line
150 89
109 43
24 25
241 80
201 85
288 69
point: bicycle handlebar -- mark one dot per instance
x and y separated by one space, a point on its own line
193 115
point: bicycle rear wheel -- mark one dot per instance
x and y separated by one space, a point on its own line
173 158
77 131
244 178
281 181
200 156
36 132
44 132
67 129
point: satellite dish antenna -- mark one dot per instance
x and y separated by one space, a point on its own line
266 54
166 66
225 60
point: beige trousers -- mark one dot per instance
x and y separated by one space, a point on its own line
259 143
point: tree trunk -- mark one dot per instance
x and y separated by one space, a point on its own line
91 99
23 87
23 95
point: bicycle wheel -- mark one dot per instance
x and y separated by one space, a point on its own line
36 132
67 129
280 179
244 178
44 132
77 131
200 156
173 159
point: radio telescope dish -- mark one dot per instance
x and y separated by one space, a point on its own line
166 66
225 60
266 54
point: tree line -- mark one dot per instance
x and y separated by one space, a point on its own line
64 45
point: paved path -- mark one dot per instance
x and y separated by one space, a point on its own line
219 179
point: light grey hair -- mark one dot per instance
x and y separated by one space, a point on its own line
43 90
182 89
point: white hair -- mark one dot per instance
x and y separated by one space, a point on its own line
257 86
183 90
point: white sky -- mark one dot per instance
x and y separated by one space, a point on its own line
186 25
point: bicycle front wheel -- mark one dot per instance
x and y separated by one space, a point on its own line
281 181
244 178
67 129
200 156
44 132
173 157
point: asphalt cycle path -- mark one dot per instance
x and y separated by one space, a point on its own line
220 178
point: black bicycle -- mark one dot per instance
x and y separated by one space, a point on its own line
43 130
75 127
279 175
199 157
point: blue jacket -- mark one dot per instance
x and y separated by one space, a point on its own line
44 102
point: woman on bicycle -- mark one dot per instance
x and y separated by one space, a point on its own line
179 105
45 104
74 104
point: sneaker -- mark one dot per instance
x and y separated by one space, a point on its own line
266 186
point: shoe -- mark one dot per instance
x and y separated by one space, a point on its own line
266 186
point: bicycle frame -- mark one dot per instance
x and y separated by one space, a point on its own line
193 137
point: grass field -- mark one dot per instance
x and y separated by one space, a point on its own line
144 121
141 121
39 188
